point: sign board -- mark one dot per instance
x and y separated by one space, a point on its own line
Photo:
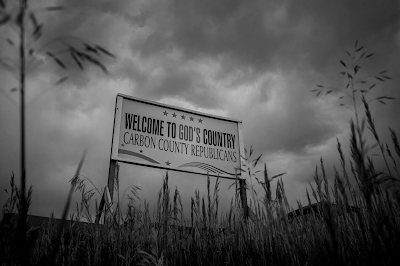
168 137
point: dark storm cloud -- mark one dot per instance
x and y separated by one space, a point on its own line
208 28
337 24
255 37
166 77
259 34
80 22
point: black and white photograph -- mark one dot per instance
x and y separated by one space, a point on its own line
199 132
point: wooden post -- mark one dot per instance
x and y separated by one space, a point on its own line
111 177
109 211
111 180
243 197
242 182
99 211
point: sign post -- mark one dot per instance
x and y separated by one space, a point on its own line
167 137
112 175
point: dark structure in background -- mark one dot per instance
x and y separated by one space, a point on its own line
318 209
41 222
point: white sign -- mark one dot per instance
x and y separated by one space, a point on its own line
163 136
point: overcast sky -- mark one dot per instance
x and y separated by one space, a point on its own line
256 61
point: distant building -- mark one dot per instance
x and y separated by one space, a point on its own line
39 221
318 210
43 222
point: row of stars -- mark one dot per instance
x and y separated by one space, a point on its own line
174 115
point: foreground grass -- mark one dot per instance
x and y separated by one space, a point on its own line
330 236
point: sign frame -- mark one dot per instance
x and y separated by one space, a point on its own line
114 159
116 134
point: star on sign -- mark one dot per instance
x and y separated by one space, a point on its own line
191 118
167 163
183 117
141 151
200 120
174 115
165 113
